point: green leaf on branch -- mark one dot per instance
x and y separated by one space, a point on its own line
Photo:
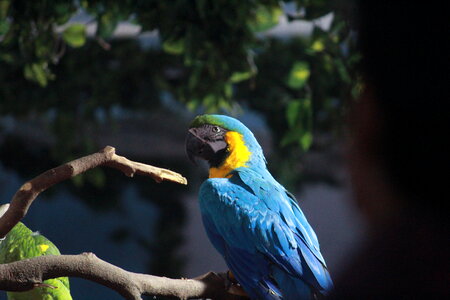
299 116
63 11
228 91
96 177
175 47
193 104
299 111
4 6
240 76
7 57
292 112
342 70
38 72
78 180
298 135
306 140
4 26
265 18
75 35
318 45
107 23
290 137
299 75
4 22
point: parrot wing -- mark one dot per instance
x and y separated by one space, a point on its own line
12 248
282 202
279 201
250 268
44 246
258 233
58 292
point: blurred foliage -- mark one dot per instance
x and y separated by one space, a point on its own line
212 56
214 46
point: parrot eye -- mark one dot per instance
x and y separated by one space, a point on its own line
216 129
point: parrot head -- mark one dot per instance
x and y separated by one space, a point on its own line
224 142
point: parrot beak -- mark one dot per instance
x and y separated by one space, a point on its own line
193 143
198 146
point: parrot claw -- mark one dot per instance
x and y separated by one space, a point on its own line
232 286
43 285
236 289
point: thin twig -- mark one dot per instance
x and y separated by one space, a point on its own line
105 157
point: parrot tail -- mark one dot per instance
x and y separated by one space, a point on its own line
293 287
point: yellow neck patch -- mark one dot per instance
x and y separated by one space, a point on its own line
239 155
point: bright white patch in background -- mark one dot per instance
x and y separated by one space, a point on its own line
286 29
283 30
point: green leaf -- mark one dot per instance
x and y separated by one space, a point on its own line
7 57
306 140
299 116
357 89
342 70
4 22
4 26
84 4
63 12
240 76
225 105
107 23
4 7
75 35
298 135
318 45
193 104
96 177
78 180
299 75
265 18
175 47
292 112
43 47
210 102
228 90
37 72
291 136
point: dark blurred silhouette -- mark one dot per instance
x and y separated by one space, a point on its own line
399 152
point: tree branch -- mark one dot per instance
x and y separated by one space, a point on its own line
105 157
25 274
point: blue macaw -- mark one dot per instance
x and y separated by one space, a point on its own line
251 219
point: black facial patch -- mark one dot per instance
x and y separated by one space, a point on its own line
207 142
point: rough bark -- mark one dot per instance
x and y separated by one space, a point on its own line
26 274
